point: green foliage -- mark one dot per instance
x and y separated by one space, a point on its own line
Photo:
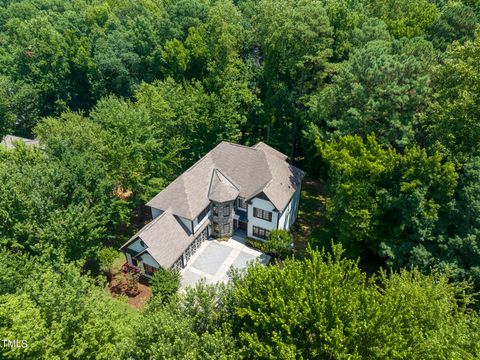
165 283
257 244
190 114
279 243
343 315
106 257
62 314
412 209
379 89
457 21
453 117
73 53
125 95
292 62
378 195
45 206
192 327
405 18
15 267
18 106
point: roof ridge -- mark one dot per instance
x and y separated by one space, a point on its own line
268 165
208 154
263 187
226 177
196 163
184 188
211 182
145 227
154 221
235 144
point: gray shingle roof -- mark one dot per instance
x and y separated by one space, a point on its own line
250 169
165 237
221 189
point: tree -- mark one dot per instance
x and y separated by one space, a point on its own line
193 326
21 319
452 119
209 56
62 314
165 283
344 315
380 89
189 113
280 243
384 202
292 60
457 22
48 205
405 18
106 257
15 267
18 107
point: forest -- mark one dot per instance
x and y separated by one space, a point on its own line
379 100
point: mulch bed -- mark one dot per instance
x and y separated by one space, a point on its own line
118 287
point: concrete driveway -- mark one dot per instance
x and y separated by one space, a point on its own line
215 258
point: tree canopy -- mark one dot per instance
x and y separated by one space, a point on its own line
378 99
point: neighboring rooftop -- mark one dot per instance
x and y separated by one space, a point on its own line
9 141
228 169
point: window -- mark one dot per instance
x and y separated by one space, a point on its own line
260 232
215 210
241 203
226 210
142 244
226 228
149 270
262 214
203 214
216 228
178 265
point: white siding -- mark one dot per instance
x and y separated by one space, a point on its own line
197 225
289 214
253 221
295 204
156 213
282 223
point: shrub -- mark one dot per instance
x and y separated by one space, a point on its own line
256 244
165 283
132 278
106 256
279 243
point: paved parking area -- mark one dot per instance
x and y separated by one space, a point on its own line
215 258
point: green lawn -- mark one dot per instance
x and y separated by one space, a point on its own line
118 262
310 218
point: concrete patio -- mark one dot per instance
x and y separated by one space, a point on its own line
215 258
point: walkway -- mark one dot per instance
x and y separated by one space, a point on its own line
215 258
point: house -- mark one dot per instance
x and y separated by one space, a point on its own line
232 187
9 141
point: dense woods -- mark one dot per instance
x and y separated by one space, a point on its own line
378 99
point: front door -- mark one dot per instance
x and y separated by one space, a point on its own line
243 225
